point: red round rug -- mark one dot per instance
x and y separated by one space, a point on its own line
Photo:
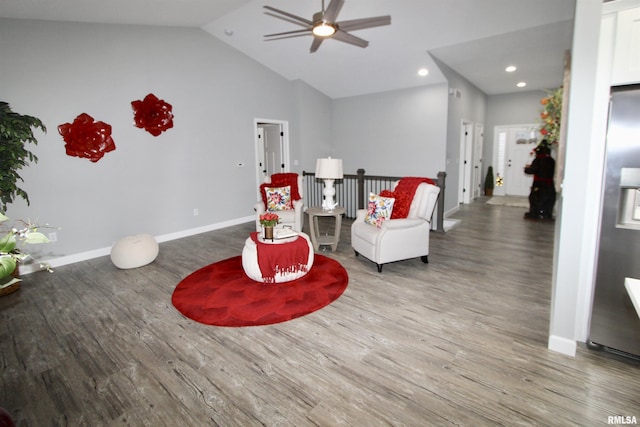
222 294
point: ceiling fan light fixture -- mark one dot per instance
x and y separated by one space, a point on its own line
325 25
323 29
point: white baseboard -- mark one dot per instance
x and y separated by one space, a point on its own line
204 229
96 253
452 211
562 345
450 224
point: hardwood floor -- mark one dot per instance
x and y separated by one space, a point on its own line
459 341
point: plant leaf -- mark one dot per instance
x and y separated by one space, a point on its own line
7 265
35 238
7 243
10 282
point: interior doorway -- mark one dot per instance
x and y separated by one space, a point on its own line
512 147
272 148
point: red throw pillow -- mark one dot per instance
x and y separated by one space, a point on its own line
281 180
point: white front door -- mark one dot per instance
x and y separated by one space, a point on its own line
514 145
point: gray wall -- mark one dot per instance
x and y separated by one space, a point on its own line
316 121
397 133
471 106
56 71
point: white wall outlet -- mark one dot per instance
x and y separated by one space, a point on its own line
53 237
196 212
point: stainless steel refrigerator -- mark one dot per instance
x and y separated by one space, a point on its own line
615 324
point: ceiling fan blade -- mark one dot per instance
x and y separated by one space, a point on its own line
284 18
359 24
290 33
332 11
306 33
348 38
288 15
317 41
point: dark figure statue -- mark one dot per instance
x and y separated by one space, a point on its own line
542 198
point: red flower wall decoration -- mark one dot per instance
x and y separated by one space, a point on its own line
152 114
87 138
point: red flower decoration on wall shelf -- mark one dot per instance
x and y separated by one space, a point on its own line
87 138
152 114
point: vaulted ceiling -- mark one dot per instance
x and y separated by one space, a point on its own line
477 39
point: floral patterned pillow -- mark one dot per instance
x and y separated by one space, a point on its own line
378 209
278 198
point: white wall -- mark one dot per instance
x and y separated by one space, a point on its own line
397 133
56 71
577 223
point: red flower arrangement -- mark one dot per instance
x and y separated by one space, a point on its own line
269 219
87 138
152 114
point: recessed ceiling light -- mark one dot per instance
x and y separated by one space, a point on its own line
423 72
521 84
510 69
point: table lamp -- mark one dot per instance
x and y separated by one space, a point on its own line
329 170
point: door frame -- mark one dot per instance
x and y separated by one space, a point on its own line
500 168
466 153
284 126
478 146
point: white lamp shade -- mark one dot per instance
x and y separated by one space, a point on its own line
329 168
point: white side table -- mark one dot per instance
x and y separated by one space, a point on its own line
327 240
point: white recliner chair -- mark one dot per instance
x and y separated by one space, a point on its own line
401 238
293 218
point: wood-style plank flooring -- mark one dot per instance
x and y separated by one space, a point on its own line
460 341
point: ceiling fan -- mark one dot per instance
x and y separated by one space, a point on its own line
323 25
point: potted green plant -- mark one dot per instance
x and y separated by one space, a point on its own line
11 237
489 182
16 131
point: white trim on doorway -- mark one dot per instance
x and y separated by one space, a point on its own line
284 126
466 152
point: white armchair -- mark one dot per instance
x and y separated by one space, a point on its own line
293 218
401 238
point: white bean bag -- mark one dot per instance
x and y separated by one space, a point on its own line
134 251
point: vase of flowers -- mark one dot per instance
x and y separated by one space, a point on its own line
11 255
268 221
